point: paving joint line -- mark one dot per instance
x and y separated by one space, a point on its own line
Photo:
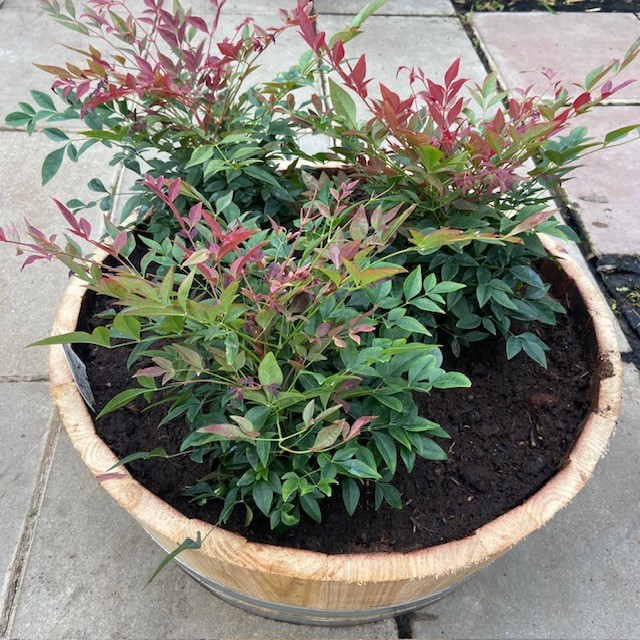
20 378
18 566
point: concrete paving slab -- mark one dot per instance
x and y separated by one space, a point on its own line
25 415
392 8
578 577
88 565
431 43
248 7
31 297
27 37
520 45
605 191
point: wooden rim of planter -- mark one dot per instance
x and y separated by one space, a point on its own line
489 541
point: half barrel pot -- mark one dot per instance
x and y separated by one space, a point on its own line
315 588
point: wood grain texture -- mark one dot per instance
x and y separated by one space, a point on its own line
357 581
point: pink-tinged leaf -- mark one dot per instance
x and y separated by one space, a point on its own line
622 85
359 225
174 189
120 240
197 257
195 214
358 425
328 435
532 222
341 344
364 328
198 23
607 88
224 430
322 329
150 372
67 215
246 426
32 259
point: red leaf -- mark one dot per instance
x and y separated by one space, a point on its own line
174 189
452 72
581 100
119 241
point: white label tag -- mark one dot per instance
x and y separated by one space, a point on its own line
79 373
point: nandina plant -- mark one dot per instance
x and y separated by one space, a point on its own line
467 157
293 353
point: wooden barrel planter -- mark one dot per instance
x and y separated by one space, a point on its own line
308 587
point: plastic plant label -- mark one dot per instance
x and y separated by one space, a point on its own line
79 373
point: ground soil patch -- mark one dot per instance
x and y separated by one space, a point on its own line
511 431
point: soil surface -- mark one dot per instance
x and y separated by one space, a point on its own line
548 5
511 432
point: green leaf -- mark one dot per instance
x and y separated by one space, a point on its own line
97 185
187 544
17 119
390 494
184 289
43 100
99 336
269 371
411 324
128 326
263 447
262 495
503 300
51 164
448 287
57 135
534 348
527 275
310 506
432 451
469 322
342 102
350 495
451 380
391 401
159 452
367 11
357 468
387 448
200 155
622 132
412 285
261 174
514 347
121 400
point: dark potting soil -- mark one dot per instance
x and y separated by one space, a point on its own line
548 5
511 432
